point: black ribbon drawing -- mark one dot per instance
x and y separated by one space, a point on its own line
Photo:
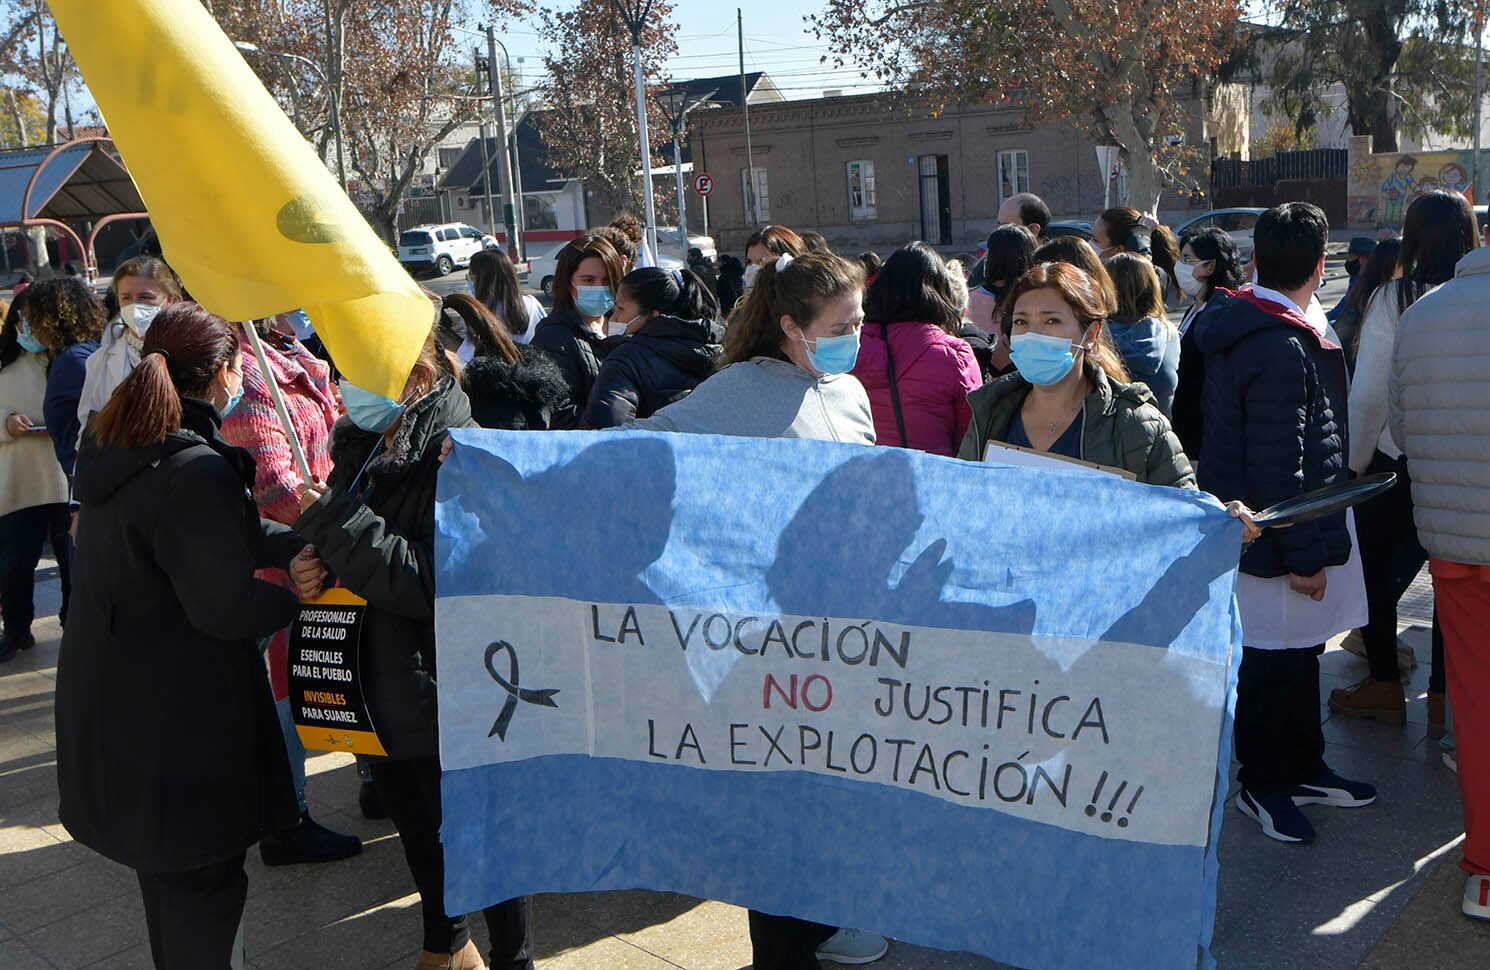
515 693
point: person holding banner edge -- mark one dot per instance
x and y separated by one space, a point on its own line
373 524
1274 428
792 343
1055 314
169 753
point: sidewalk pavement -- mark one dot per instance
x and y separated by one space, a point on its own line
1379 890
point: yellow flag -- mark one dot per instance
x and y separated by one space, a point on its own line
247 214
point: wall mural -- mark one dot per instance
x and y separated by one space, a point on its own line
1383 186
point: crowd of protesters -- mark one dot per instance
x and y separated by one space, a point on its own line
148 447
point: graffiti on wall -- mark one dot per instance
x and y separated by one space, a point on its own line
1383 186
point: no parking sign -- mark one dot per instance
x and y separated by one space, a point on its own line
703 183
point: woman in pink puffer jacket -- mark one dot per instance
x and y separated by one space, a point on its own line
909 351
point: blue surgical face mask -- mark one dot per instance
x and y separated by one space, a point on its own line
369 411
1041 358
594 301
470 286
28 342
833 355
233 400
300 323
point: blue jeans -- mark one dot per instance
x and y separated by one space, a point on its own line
295 749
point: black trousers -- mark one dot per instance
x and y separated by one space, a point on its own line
1278 733
22 535
785 942
410 790
193 916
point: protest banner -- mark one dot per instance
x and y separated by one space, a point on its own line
972 706
247 214
327 700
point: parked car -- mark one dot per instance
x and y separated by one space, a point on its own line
442 247
1239 223
541 268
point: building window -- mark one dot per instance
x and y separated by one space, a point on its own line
762 213
539 212
449 156
1014 173
861 191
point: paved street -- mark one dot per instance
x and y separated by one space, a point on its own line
1379 890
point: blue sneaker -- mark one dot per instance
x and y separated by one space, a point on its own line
853 947
1279 817
1330 789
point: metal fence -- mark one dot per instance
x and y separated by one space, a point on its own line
1321 163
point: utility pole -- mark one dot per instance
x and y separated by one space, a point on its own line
504 170
745 110
335 44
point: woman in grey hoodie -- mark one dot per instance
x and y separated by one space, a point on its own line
792 341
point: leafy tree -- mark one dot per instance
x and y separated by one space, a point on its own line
1401 63
34 56
590 129
1120 71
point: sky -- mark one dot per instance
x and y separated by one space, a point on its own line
777 41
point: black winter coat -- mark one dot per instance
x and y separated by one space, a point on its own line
654 367
1275 425
379 541
577 350
169 752
1189 393
515 397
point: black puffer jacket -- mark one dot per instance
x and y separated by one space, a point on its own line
578 351
169 752
1275 425
515 397
654 367
381 546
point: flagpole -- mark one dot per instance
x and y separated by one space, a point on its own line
267 375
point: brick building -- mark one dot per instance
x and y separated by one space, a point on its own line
868 174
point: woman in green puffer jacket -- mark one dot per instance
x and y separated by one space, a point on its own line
1071 396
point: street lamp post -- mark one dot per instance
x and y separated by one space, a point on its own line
676 103
332 102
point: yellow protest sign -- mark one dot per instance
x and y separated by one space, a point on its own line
247 213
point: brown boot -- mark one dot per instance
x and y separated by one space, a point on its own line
467 957
1437 727
1372 700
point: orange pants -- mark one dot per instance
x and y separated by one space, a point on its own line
1462 596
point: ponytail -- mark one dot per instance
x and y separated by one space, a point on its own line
676 293
185 348
798 289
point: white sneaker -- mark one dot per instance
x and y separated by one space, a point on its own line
853 947
1476 903
1451 762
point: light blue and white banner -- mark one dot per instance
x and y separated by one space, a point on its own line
970 706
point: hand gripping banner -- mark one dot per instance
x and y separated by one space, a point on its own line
975 707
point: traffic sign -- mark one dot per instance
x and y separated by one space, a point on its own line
703 183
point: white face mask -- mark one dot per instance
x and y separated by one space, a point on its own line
137 317
465 352
1189 283
616 328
